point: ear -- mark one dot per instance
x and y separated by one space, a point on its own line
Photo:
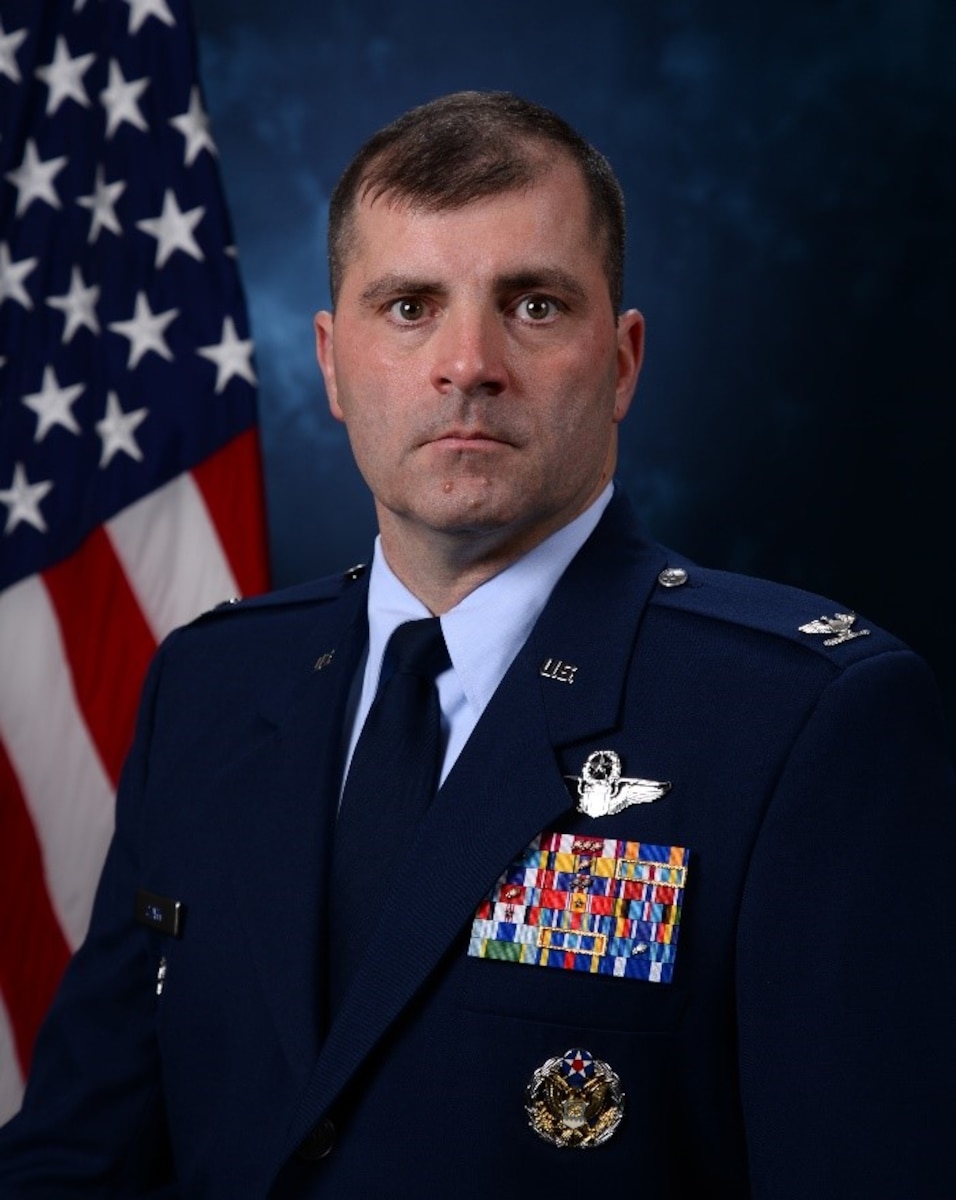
325 353
630 355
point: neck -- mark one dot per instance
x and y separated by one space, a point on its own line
442 569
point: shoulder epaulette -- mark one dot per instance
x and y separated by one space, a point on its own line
777 609
330 587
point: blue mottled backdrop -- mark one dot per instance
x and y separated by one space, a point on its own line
791 181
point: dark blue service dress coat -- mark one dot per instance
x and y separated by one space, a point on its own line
797 1041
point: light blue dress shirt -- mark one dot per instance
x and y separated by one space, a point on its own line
483 632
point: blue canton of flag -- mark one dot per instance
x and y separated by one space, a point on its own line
122 323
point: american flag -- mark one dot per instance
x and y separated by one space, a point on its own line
130 482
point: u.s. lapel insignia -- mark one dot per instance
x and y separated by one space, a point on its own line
604 791
575 1101
839 627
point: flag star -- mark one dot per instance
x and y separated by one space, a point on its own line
193 124
173 229
145 331
22 499
79 306
10 43
116 430
101 202
232 356
119 99
33 179
53 405
12 275
140 10
64 77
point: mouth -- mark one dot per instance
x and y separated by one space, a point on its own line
467 439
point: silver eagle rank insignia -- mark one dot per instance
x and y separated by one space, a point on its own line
839 627
604 791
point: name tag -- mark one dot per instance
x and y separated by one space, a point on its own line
579 903
159 912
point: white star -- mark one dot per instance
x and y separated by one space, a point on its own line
145 331
22 499
173 229
33 179
79 305
64 77
232 356
193 124
116 429
119 100
53 405
12 275
101 203
139 10
9 45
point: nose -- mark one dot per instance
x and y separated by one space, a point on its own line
469 353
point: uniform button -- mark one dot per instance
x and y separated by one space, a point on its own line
318 1142
672 577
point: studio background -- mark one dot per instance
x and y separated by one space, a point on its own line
790 184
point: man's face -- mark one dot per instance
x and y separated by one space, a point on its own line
478 366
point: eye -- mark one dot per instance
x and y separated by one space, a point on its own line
536 309
408 310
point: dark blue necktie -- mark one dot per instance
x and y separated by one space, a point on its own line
392 779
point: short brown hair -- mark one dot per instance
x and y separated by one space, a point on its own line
465 146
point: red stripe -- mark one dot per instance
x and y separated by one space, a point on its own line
108 644
231 484
33 950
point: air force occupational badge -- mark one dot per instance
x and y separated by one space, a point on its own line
603 791
575 1100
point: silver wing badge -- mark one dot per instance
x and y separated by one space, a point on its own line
603 791
839 627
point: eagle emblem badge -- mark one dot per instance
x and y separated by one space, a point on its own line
603 790
575 1101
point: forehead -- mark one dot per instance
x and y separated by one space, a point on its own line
550 218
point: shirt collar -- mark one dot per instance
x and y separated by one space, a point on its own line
484 631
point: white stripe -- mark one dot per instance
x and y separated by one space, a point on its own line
66 789
172 556
11 1085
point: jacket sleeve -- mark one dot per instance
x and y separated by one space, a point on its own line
92 1121
847 950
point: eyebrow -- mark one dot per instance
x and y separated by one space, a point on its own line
541 279
399 285
536 279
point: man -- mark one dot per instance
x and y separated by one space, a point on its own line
680 918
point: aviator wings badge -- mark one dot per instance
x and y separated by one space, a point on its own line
603 791
839 627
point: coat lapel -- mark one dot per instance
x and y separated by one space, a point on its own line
279 803
485 815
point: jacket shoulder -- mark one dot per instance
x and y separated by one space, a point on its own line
297 596
744 603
